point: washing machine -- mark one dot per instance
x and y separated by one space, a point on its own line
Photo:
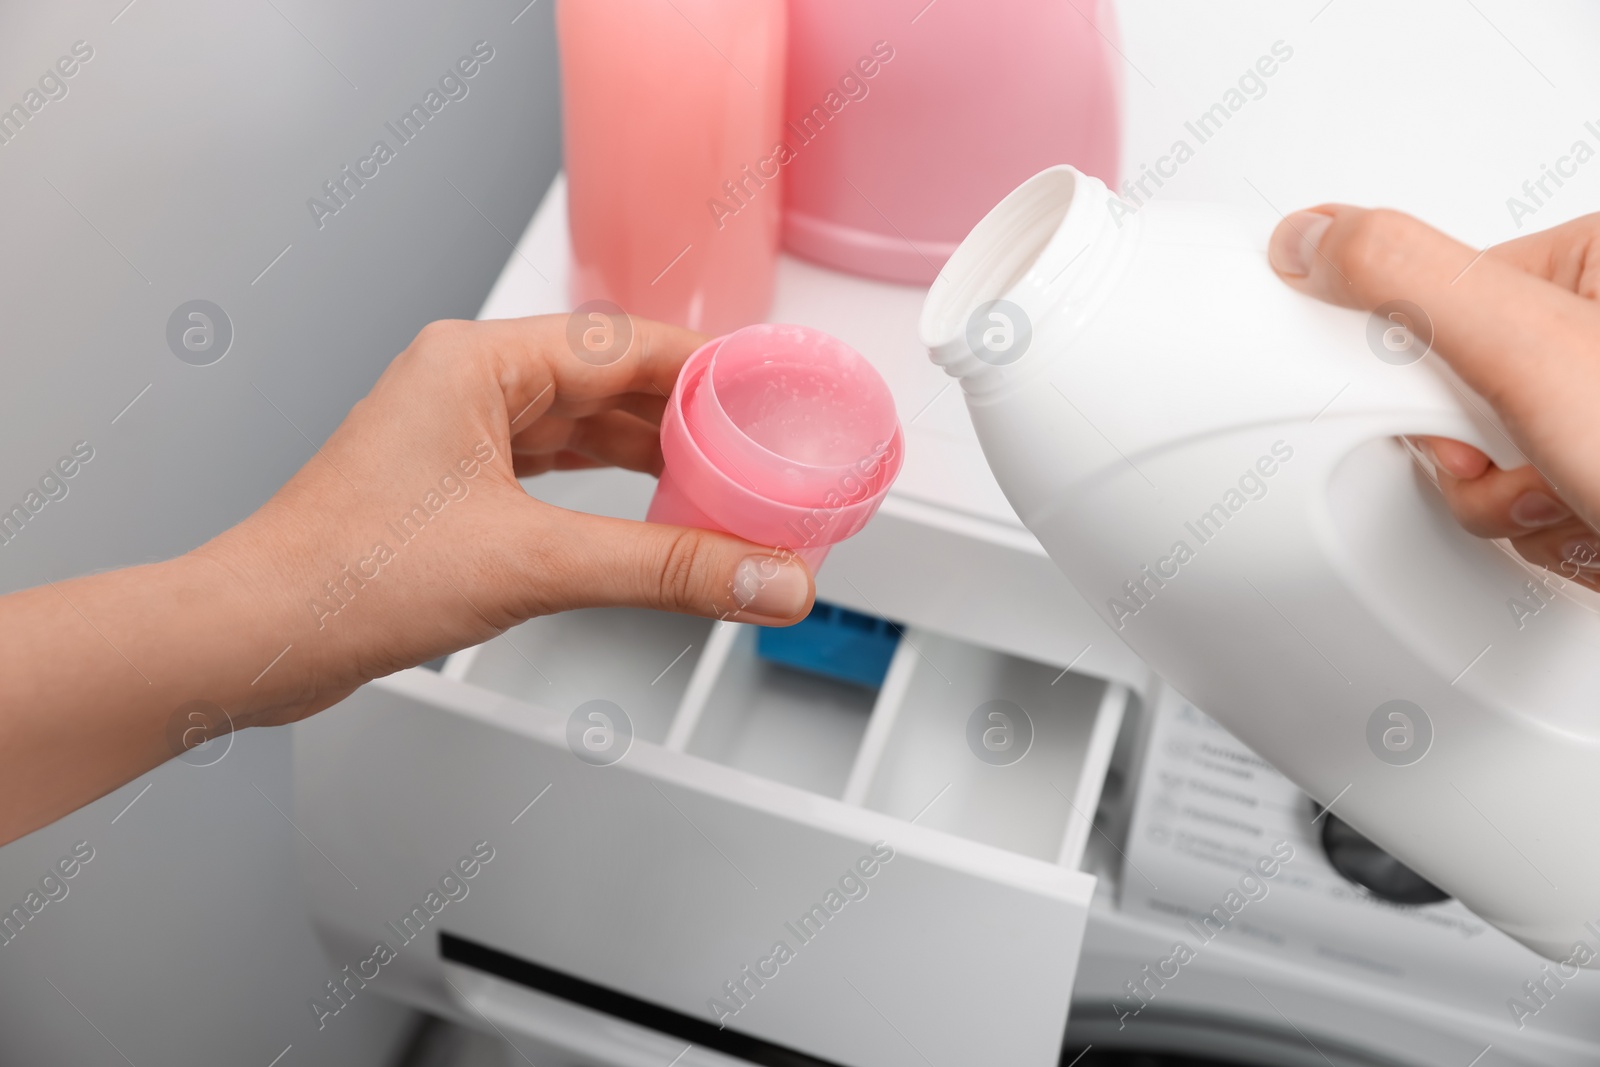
624 838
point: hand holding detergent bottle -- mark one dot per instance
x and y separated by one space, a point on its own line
1212 459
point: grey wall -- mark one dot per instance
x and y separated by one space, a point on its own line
177 167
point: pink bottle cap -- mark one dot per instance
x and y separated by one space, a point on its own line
781 435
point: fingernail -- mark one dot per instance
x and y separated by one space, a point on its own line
1422 452
1295 242
1534 509
1581 551
1458 463
771 586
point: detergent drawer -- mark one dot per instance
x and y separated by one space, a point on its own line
767 866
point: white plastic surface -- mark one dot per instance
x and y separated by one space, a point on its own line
641 660
662 875
1208 456
775 722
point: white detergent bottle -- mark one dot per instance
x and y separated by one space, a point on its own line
1211 458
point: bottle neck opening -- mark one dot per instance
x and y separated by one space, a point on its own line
1018 267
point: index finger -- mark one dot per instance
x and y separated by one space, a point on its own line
569 363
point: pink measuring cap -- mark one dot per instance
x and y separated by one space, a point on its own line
781 435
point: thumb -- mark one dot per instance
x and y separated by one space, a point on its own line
1360 257
587 561
1510 334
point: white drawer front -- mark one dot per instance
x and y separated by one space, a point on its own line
704 880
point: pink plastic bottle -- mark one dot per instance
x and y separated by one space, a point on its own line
670 107
781 435
908 122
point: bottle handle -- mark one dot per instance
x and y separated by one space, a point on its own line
1467 417
1484 434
